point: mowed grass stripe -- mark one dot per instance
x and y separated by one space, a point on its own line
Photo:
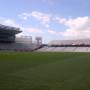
45 71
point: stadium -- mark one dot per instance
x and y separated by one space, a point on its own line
82 45
28 65
9 41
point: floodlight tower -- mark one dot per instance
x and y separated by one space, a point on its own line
38 40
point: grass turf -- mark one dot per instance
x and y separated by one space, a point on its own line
44 71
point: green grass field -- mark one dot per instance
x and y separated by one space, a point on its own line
44 71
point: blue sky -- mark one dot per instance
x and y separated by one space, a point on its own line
50 19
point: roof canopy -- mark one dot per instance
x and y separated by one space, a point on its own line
9 29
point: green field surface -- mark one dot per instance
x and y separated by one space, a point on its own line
44 71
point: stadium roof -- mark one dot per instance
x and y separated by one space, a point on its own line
9 29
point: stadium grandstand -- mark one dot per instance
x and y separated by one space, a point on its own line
9 41
81 45
7 33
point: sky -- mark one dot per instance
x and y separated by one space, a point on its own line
49 19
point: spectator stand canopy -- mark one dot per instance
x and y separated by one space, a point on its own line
7 33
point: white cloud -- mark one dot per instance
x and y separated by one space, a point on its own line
30 31
26 30
60 20
24 16
11 23
54 32
77 28
44 18
34 30
8 22
79 23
